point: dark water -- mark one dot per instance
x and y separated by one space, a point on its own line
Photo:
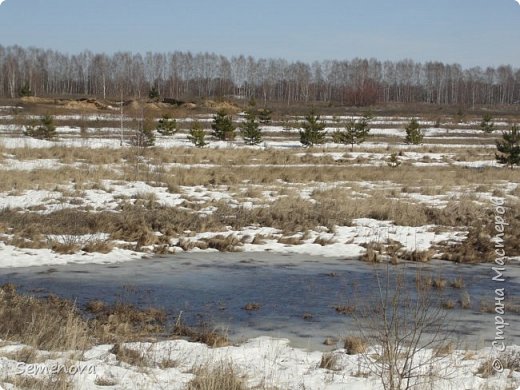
297 293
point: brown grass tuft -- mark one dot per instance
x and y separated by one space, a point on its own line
220 377
355 345
329 361
252 306
204 333
129 356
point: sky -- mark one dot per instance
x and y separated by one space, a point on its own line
469 32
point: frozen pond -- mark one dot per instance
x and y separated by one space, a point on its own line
297 293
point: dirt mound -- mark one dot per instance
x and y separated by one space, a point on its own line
189 106
77 104
85 104
158 106
133 105
37 100
224 105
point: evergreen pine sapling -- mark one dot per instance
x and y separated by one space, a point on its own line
414 134
144 136
197 135
393 161
487 124
509 148
153 94
250 129
26 91
355 133
264 116
166 125
44 130
223 128
312 131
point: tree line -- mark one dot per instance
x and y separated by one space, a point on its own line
312 132
184 75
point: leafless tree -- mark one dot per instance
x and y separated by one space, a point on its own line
183 75
408 330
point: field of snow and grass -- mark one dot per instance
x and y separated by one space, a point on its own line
86 198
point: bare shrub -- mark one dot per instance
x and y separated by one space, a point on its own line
402 321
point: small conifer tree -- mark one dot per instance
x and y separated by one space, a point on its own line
153 94
25 91
197 135
223 128
167 125
414 134
509 148
355 133
487 124
250 129
44 130
312 131
393 161
144 136
264 116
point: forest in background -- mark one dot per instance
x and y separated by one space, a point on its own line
184 75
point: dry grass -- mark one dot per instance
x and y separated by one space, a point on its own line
222 376
485 370
129 356
105 381
204 333
465 300
445 349
355 345
329 361
50 324
27 355
138 223
55 324
457 283
448 304
417 255
229 243
123 322
291 214
345 309
252 306
439 283
59 381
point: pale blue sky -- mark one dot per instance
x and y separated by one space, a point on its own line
470 32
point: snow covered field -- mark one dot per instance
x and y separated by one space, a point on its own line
263 362
277 198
